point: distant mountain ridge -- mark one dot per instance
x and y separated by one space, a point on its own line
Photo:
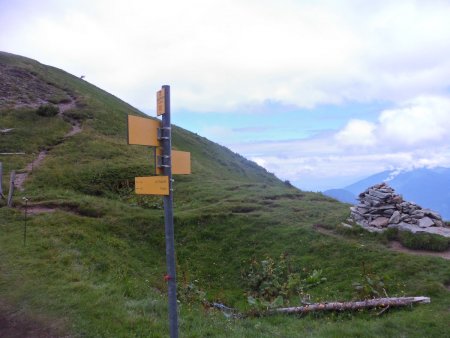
427 187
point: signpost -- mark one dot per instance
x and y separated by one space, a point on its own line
157 133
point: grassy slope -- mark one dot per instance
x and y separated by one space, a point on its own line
98 262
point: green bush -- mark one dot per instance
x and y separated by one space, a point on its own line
423 241
370 286
47 110
79 114
272 282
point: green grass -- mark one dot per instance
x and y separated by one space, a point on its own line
97 263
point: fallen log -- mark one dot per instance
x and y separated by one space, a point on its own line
342 306
12 153
11 189
1 181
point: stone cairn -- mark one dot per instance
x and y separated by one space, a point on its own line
380 208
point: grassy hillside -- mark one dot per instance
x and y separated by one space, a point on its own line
94 266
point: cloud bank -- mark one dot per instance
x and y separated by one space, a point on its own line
253 57
414 134
227 55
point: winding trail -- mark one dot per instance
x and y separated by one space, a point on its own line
76 128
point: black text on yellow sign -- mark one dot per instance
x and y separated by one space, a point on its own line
152 185
143 131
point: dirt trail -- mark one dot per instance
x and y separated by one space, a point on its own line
14 324
397 246
393 246
21 177
76 128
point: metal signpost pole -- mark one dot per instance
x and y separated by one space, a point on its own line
166 142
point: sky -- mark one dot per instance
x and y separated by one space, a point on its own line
321 93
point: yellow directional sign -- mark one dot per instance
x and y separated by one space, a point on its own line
143 131
181 162
152 185
160 102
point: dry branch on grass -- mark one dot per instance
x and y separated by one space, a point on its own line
343 306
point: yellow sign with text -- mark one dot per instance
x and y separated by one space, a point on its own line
160 102
152 185
143 131
181 162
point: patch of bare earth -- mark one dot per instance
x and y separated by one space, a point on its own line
15 324
397 246
21 87
38 209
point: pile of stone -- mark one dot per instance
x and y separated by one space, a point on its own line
380 208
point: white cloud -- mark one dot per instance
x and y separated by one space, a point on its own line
357 133
423 120
225 55
220 55
413 134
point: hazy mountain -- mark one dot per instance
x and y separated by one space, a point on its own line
341 195
427 187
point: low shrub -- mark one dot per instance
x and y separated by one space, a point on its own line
272 282
47 110
79 114
423 241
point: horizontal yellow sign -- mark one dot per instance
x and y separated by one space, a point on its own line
160 102
181 162
143 131
152 185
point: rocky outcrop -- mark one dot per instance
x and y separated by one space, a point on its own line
380 208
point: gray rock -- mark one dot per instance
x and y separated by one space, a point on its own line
418 214
385 207
445 232
380 222
388 212
432 214
395 218
425 222
397 199
438 223
378 194
362 210
439 231
376 203
404 216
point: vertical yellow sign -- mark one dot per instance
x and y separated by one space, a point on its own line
181 162
160 102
